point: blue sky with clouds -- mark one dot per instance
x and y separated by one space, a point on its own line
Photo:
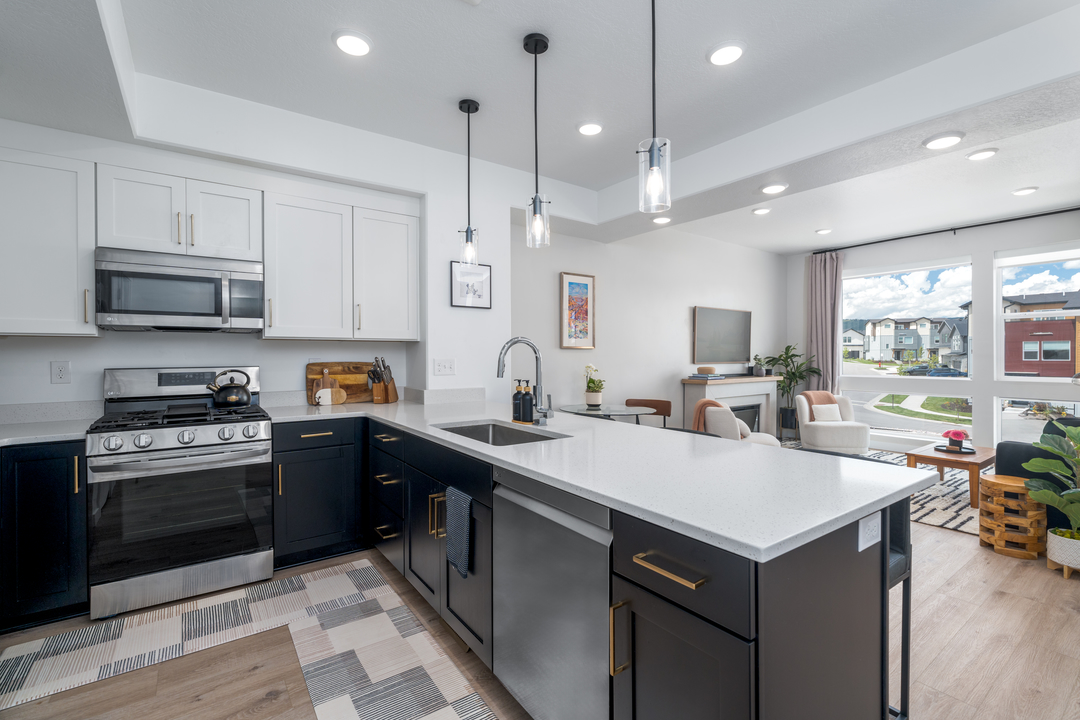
1045 278
930 293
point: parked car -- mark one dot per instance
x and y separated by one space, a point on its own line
946 372
920 369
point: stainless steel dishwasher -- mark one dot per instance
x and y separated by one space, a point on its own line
551 584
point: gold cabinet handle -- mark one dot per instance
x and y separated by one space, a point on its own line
611 640
86 305
179 231
76 474
279 479
385 482
378 531
440 532
385 438
693 585
430 501
192 229
271 301
316 435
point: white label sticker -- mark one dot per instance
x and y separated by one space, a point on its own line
869 531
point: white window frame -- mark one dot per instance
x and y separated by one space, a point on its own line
1024 350
1068 348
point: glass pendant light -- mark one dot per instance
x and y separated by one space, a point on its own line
654 155
537 226
470 240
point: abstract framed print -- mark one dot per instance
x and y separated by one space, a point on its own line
470 285
577 311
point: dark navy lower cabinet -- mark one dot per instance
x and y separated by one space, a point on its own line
43 561
316 505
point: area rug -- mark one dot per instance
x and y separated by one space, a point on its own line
945 504
364 654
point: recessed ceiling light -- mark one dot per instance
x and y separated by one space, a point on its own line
661 220
824 231
982 154
725 54
775 188
1025 191
761 211
590 128
352 42
943 140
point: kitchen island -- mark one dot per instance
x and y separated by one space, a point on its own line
635 572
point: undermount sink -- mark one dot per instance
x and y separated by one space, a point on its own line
495 432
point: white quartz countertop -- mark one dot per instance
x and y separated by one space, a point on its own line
43 432
756 501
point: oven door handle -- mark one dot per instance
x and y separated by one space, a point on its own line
213 459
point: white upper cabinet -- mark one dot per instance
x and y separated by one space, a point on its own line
46 245
224 221
308 266
386 276
139 210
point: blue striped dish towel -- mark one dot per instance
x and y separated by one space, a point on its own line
458 525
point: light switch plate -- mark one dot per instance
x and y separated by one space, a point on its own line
60 372
869 531
444 366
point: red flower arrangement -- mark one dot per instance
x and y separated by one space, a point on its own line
960 435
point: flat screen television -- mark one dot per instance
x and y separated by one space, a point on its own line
721 336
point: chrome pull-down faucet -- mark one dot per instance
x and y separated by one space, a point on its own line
543 412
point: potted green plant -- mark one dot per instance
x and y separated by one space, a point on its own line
793 373
1062 545
593 387
759 366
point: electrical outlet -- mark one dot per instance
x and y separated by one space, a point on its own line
869 531
60 371
313 360
445 366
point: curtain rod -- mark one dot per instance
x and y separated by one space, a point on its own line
953 229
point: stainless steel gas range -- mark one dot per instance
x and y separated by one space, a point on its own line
181 496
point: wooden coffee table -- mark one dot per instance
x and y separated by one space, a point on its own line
973 463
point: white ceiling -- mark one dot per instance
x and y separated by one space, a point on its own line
429 55
939 192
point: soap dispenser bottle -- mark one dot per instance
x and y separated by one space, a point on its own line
517 402
527 404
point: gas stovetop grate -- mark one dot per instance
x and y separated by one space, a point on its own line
189 415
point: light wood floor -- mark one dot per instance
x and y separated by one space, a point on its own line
992 638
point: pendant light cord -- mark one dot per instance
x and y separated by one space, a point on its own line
468 169
654 68
536 122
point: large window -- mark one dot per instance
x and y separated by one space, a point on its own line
1023 420
913 323
1040 308
924 416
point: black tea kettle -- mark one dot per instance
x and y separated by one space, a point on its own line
232 393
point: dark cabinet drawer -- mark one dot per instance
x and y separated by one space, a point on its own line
388 481
315 500
671 565
309 434
469 475
388 535
386 438
668 663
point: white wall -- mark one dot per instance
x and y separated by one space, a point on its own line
978 245
646 288
24 361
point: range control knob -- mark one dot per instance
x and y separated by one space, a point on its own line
142 440
113 442
186 437
226 433
251 431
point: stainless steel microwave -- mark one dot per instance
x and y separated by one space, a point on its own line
139 290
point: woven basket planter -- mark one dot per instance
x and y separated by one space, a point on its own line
1063 551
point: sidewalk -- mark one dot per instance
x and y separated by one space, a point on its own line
914 403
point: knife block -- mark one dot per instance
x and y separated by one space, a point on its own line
384 392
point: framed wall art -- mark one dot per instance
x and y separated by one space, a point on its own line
577 311
470 285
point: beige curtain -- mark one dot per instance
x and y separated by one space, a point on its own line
823 300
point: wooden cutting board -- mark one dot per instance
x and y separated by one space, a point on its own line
350 377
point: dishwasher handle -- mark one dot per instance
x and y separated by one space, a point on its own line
554 514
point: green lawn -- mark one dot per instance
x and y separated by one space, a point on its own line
937 404
891 399
923 416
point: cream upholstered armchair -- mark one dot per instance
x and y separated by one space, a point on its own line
843 436
722 421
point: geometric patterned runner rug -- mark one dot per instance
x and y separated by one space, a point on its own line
364 654
944 504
